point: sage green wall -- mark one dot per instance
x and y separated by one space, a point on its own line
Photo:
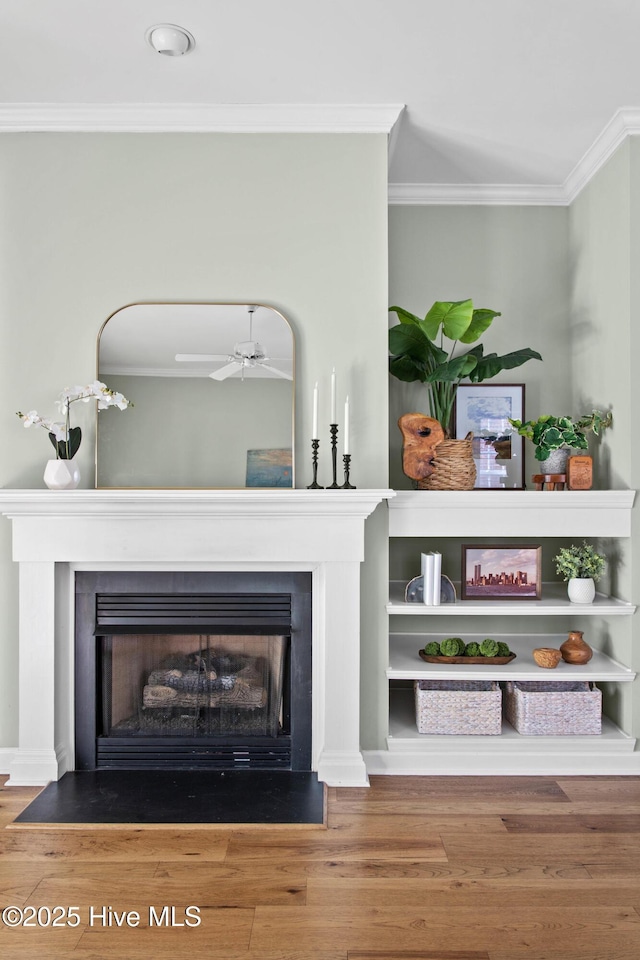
605 350
91 222
511 259
207 427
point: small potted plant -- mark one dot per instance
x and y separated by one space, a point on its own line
555 437
581 566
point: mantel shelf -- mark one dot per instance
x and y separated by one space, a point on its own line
521 513
554 602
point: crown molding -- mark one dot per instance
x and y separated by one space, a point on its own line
475 194
624 123
199 117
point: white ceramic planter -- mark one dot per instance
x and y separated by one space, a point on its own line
581 590
61 475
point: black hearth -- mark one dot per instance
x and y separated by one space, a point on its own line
193 671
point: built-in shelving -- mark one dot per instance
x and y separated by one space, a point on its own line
554 602
493 515
404 738
405 662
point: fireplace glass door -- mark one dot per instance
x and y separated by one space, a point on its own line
180 685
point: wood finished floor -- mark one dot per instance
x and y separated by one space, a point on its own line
414 868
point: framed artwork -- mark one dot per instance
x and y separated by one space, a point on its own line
269 468
501 572
498 451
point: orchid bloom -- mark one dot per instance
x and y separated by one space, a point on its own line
66 439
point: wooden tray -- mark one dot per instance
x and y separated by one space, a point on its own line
496 661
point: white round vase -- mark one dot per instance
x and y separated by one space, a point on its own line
61 475
581 590
556 462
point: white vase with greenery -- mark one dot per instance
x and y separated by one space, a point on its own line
580 566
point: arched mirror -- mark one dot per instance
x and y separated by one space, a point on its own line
212 388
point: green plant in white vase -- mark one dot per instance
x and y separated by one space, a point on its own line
581 566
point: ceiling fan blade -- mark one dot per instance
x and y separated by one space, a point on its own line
279 373
201 357
226 371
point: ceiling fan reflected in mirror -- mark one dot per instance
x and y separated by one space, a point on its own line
247 355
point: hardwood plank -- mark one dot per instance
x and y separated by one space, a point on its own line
541 848
603 788
124 894
489 808
127 845
331 846
549 928
519 892
220 931
585 953
415 955
407 826
440 788
624 870
580 823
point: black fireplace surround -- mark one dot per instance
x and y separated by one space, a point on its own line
215 670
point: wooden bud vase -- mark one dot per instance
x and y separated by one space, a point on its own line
575 649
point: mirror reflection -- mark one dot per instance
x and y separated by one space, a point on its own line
212 387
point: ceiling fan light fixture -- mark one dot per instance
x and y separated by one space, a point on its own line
169 39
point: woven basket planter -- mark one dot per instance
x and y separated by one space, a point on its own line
541 708
461 707
453 466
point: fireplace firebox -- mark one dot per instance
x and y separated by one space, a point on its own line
193 671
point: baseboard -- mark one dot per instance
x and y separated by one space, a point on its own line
6 759
386 763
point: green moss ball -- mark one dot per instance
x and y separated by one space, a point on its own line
432 649
503 649
452 647
472 649
489 648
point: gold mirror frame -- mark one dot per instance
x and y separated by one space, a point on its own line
182 417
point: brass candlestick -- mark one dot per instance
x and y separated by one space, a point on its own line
333 427
346 459
314 461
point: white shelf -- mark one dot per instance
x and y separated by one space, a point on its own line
405 662
554 603
404 737
516 513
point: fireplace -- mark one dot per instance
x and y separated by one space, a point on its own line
58 534
192 671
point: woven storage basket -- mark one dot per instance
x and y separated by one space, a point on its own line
463 707
546 709
453 466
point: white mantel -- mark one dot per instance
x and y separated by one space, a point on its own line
56 533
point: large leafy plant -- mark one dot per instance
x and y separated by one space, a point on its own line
419 351
549 433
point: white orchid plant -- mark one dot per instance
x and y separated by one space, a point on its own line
65 438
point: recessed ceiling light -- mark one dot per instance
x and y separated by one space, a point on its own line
169 39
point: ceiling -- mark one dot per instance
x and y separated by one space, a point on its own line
496 92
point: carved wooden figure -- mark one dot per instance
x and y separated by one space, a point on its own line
420 437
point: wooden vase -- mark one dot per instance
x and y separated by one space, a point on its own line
575 649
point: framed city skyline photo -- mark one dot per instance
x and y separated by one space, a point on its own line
498 451
498 572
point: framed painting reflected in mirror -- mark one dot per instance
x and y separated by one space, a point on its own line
485 409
